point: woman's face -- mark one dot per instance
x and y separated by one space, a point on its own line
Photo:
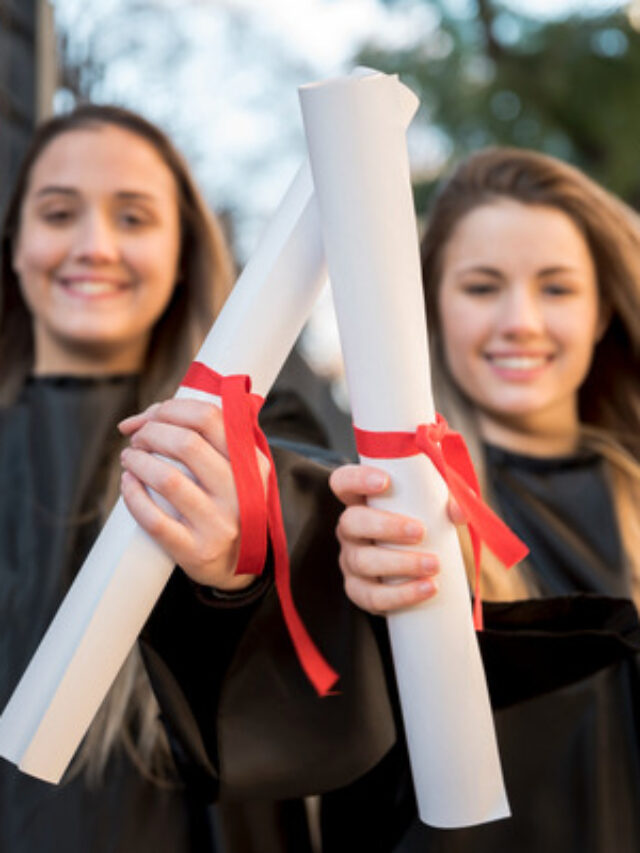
520 315
97 249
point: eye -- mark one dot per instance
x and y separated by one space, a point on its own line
57 216
480 288
554 289
132 219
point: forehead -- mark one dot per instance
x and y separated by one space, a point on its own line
508 232
103 159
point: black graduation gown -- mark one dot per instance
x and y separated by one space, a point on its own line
564 676
56 444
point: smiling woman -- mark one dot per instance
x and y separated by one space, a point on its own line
97 250
532 287
112 273
520 317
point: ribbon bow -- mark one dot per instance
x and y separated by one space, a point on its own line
260 514
448 452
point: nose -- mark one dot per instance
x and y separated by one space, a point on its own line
95 239
521 312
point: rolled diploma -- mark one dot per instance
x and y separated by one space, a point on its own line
125 572
356 136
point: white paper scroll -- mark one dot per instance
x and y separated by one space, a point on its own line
356 139
123 576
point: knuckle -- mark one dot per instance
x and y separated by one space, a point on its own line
338 479
351 589
189 442
334 481
349 519
358 561
169 478
161 410
155 525
211 416
346 560
377 598
342 527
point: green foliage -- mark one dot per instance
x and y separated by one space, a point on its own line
567 87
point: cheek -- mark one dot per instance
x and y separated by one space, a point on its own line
578 335
464 332
154 262
38 256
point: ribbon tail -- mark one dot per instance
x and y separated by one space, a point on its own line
321 675
495 534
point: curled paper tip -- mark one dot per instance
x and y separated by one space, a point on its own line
408 103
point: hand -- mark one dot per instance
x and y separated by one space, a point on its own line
380 579
204 536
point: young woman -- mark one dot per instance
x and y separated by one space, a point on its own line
112 273
532 289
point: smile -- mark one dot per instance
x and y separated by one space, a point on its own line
519 362
92 288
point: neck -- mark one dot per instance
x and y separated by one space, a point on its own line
95 360
531 436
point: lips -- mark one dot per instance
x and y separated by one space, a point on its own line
518 362
93 288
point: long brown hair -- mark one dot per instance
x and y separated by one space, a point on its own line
609 398
205 272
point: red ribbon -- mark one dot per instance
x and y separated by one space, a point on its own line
260 514
448 452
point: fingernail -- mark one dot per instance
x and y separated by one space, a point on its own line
377 481
429 562
413 529
427 587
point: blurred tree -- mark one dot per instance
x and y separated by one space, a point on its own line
491 75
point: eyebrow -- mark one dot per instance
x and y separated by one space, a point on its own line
496 273
557 269
53 190
490 271
126 195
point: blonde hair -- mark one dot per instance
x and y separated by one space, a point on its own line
609 398
128 717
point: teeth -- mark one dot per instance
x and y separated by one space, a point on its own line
93 288
519 362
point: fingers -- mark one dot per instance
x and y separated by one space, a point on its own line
178 449
184 421
193 505
359 523
352 484
379 598
134 422
164 529
383 579
208 559
204 418
374 562
208 466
